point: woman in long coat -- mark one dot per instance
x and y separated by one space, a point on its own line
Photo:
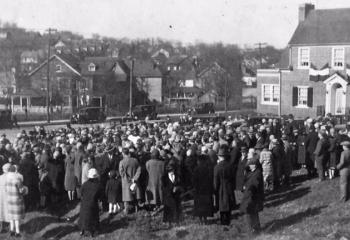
3 203
30 179
70 181
89 210
203 189
171 195
155 169
14 198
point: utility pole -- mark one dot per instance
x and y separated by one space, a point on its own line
225 94
131 77
50 30
260 45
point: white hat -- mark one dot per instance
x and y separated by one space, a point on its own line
92 173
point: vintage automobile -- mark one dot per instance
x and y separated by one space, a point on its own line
202 108
6 119
140 112
89 114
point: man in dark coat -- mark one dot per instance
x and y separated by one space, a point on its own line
89 211
203 189
79 156
253 198
321 152
241 167
223 185
310 146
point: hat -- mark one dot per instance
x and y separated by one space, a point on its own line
284 137
92 173
345 143
110 149
244 149
222 151
6 167
155 154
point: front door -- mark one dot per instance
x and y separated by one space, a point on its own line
339 102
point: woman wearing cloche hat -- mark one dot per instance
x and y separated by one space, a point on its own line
89 210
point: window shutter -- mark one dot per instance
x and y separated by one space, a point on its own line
295 96
310 96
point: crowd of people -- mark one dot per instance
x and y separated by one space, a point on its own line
222 165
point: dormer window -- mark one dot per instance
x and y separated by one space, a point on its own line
58 68
338 56
304 58
92 67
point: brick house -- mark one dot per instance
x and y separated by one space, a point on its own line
314 77
105 82
64 81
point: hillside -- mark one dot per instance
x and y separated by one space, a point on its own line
307 210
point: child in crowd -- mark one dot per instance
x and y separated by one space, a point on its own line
113 192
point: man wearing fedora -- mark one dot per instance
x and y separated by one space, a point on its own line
344 171
223 185
253 197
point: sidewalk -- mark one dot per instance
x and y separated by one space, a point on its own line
65 121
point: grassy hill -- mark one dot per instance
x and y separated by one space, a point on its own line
307 210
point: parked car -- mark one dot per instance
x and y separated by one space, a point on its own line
140 112
203 108
6 119
89 114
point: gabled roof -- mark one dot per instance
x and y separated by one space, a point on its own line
145 69
325 26
214 65
70 61
103 65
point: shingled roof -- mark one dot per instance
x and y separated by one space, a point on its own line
322 27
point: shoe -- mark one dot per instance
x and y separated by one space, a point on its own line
18 235
12 234
82 233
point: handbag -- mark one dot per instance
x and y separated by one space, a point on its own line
133 187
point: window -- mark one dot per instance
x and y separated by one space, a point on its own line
270 94
58 68
92 67
304 58
338 58
302 96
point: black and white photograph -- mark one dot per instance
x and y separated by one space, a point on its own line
175 119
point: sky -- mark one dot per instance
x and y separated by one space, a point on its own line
244 22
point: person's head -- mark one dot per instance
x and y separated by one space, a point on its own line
92 173
126 152
332 131
346 145
244 150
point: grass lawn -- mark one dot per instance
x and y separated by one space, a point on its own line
307 210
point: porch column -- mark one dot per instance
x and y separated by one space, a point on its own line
328 98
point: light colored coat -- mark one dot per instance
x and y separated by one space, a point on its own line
130 171
155 169
14 199
3 198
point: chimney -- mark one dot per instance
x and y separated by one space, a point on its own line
304 10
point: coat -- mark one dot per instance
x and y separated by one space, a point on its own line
203 191
3 201
333 151
130 171
286 164
154 193
114 190
253 196
266 163
344 160
89 210
171 198
79 156
240 173
223 185
301 149
14 197
30 179
321 150
70 180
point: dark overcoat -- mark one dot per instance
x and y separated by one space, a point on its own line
240 173
89 210
223 185
171 198
30 179
253 196
203 191
333 152
114 190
